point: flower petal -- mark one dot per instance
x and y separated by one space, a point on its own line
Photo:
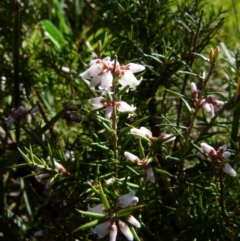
229 170
125 107
125 230
128 199
113 232
226 154
207 149
142 132
131 157
128 78
102 229
150 174
166 136
93 70
97 209
135 68
108 112
133 221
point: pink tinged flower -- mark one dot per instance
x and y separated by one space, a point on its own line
131 157
97 209
194 90
93 70
229 170
150 174
166 136
113 232
142 132
102 229
133 221
208 150
108 112
125 230
125 107
207 107
128 78
59 167
135 68
97 102
128 199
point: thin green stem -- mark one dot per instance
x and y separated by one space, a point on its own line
114 118
198 106
16 46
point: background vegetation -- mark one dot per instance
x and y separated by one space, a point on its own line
44 45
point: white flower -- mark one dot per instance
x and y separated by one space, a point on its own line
128 199
97 102
101 72
194 90
128 78
142 132
125 107
125 230
131 157
113 232
133 221
100 102
102 229
97 209
166 136
229 170
150 173
208 150
94 70
135 68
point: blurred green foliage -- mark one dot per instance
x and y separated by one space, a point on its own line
44 45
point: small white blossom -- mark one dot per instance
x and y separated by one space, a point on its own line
142 132
133 221
102 229
101 72
113 232
125 230
128 199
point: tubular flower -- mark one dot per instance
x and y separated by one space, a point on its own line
144 163
145 133
217 157
101 102
101 72
109 226
211 105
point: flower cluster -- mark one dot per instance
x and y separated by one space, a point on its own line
103 71
217 157
110 226
210 104
144 162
